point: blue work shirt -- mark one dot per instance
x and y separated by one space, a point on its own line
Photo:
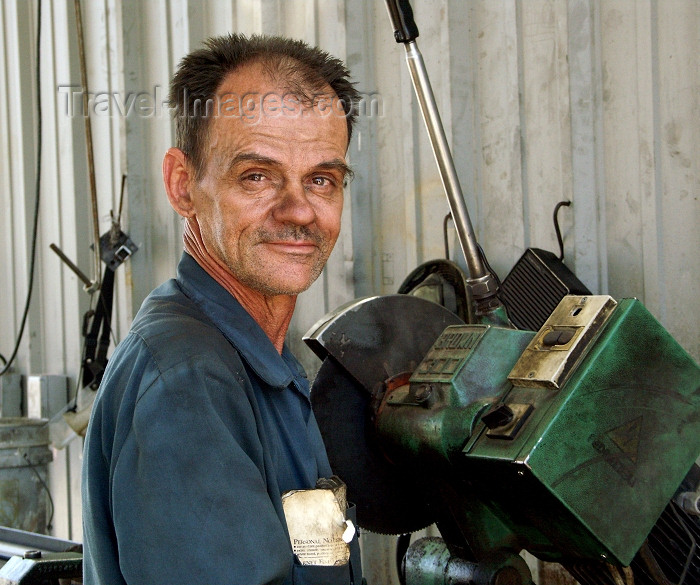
198 427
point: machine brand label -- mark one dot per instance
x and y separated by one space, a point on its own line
448 353
619 447
458 340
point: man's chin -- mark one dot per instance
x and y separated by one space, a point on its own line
272 276
275 285
294 287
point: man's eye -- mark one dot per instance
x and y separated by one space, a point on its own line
321 181
255 177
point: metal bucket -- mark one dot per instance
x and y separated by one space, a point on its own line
24 456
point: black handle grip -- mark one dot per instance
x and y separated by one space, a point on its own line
401 14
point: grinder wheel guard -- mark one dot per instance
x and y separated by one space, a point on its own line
389 499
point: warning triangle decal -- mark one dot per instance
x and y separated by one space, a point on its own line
626 437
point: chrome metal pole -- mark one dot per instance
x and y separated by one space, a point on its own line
441 150
482 284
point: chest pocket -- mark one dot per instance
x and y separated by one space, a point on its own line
349 573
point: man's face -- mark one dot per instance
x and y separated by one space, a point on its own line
270 199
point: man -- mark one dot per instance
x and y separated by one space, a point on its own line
203 417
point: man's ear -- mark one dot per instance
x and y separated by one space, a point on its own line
178 177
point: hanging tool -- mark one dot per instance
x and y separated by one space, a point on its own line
481 283
114 247
95 283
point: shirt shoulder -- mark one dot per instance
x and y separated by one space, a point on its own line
172 346
172 326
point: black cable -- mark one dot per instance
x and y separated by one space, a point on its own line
8 363
81 372
49 524
556 227
448 217
109 325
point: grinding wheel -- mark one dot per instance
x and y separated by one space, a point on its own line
363 344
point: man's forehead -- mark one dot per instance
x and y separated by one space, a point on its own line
251 108
263 135
256 79
248 78
269 150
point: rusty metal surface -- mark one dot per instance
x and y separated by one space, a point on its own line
554 574
24 455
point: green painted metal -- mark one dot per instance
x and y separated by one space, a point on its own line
430 562
434 417
426 563
497 316
581 472
598 460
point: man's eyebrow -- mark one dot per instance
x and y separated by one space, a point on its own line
340 165
252 157
334 164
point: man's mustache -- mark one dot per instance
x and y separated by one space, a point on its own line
291 233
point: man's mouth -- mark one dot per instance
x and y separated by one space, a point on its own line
294 246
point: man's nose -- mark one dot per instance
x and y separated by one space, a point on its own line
294 206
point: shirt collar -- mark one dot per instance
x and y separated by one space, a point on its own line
244 333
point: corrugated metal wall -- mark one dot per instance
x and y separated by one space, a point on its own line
595 101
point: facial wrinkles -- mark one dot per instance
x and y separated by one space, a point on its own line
243 265
254 279
290 148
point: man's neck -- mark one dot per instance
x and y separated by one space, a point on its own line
272 313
